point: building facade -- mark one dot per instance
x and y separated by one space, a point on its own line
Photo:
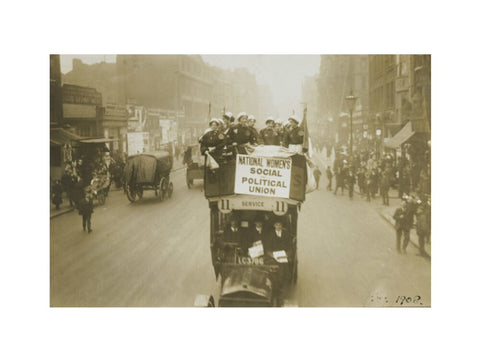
339 76
182 83
115 127
82 110
400 94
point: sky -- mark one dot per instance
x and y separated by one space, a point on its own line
283 74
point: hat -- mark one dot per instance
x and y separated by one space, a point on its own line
251 117
228 114
292 117
269 120
214 120
241 114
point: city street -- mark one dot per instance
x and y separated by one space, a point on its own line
154 253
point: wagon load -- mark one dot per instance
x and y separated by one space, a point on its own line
148 171
147 168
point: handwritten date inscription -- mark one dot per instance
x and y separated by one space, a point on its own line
400 300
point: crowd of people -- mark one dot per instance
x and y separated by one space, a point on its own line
239 133
85 176
409 175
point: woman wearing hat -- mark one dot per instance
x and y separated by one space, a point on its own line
268 135
295 135
240 134
214 140
251 125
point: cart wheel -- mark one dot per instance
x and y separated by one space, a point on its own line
189 182
211 302
170 190
131 194
162 190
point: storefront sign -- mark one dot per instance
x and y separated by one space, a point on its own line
262 176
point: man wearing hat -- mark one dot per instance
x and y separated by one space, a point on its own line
259 233
295 134
268 135
278 239
213 140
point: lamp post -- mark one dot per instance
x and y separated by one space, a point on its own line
351 106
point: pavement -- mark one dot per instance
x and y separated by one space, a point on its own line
66 208
386 212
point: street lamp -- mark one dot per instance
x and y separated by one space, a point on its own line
351 106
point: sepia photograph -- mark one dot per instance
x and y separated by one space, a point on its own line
227 180
249 180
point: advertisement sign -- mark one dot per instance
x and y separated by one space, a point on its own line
137 142
263 176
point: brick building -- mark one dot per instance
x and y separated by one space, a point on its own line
400 97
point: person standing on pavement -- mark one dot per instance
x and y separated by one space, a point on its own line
385 186
67 181
316 175
422 227
350 180
85 209
361 179
329 176
401 227
340 178
57 194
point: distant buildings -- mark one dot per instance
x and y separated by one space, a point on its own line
393 94
184 84
338 76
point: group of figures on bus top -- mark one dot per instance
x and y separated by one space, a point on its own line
239 135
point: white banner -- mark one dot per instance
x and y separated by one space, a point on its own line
263 176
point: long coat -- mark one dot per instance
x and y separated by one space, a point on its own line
294 136
85 207
269 136
423 228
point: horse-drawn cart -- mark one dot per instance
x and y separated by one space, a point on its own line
148 171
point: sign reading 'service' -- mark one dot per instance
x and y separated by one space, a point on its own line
263 176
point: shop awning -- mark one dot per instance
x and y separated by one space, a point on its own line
62 136
401 137
98 140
